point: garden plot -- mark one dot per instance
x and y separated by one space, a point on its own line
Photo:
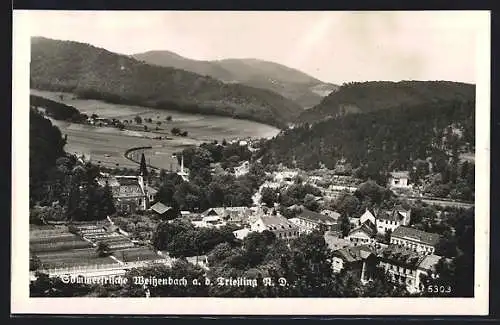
136 254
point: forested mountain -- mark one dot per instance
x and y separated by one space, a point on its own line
363 97
95 73
290 83
379 141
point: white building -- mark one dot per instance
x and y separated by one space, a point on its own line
414 239
399 180
241 233
389 221
406 266
279 225
363 235
307 220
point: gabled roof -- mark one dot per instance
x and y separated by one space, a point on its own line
403 256
368 215
429 262
160 208
400 174
353 254
415 234
151 190
277 222
314 216
367 227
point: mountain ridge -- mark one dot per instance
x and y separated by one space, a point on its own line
288 82
96 73
364 97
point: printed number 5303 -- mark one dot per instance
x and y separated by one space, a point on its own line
438 289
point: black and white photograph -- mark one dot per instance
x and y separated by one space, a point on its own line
279 155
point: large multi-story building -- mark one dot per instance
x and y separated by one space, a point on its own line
307 220
129 192
277 224
406 266
390 220
414 239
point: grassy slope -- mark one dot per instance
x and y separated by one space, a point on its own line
81 68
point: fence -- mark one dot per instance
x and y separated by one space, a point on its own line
99 267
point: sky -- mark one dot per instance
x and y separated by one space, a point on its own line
332 46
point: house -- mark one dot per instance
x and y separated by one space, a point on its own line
128 192
362 260
406 266
242 169
241 233
164 211
389 221
399 179
414 239
332 214
229 214
364 234
307 220
277 224
367 216
150 193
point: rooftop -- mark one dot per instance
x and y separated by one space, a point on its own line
276 222
314 216
353 254
401 256
400 174
429 262
415 234
160 208
367 227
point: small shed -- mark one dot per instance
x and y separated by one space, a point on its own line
164 211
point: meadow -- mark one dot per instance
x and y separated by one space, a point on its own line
107 145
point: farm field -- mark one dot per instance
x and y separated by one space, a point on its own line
73 258
108 145
136 254
56 247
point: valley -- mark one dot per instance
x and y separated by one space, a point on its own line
107 145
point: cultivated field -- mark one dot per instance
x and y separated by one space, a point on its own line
56 247
136 254
108 145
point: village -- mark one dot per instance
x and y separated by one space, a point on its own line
375 238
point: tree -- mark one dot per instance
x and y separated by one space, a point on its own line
311 203
387 236
168 118
143 169
345 225
175 131
102 249
269 196
138 119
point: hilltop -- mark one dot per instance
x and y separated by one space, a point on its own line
290 83
364 97
95 73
